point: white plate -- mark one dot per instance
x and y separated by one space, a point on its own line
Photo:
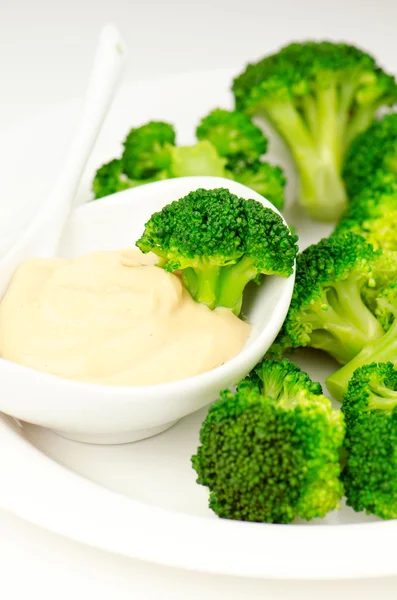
141 500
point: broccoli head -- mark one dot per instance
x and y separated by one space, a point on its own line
270 452
327 310
382 349
147 150
234 136
230 146
110 179
370 409
319 96
373 150
220 242
372 213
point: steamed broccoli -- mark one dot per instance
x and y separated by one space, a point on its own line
270 452
234 136
230 146
319 96
220 242
372 213
327 309
199 159
110 179
242 144
373 150
268 180
147 150
383 349
370 409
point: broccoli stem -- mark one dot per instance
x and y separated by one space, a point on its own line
351 304
335 334
205 283
358 123
233 280
378 350
315 142
346 325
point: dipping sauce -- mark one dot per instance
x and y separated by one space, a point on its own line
112 318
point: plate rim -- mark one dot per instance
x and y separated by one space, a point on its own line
73 506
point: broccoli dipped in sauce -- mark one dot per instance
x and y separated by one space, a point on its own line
372 213
229 146
319 96
270 451
220 243
370 410
373 150
382 349
328 310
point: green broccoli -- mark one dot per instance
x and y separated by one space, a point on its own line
268 180
373 150
220 242
270 452
370 410
319 96
150 154
199 159
383 349
372 213
327 310
234 136
110 179
147 150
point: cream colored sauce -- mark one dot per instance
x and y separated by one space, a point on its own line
112 318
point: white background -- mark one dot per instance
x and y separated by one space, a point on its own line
46 48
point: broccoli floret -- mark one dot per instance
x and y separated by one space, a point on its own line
147 150
231 147
373 150
319 96
199 159
373 213
234 136
370 409
110 179
268 180
327 310
383 349
220 242
270 452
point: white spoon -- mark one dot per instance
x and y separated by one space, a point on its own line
41 237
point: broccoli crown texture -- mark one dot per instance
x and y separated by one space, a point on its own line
370 409
270 452
147 150
327 310
373 150
319 96
382 349
233 134
109 179
372 213
220 242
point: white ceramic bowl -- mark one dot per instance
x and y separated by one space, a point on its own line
111 414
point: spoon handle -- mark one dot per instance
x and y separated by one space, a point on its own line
41 237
